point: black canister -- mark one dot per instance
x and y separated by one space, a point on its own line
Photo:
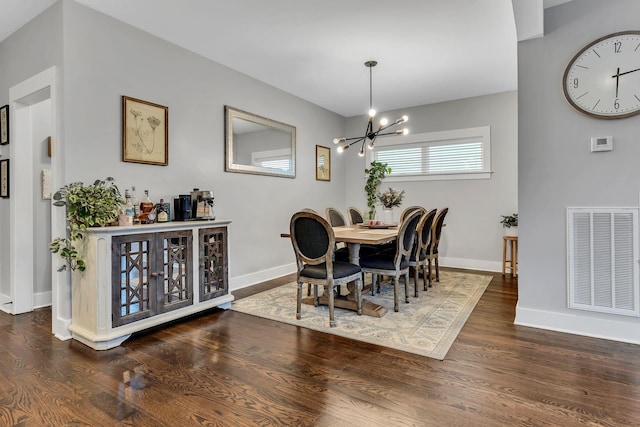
182 207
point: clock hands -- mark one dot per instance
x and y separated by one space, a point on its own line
618 74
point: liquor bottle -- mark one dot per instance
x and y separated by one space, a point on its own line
161 212
136 206
128 206
146 209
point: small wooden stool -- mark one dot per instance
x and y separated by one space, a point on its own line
512 263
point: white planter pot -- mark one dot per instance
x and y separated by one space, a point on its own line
387 216
511 231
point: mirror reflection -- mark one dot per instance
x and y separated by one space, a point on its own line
258 145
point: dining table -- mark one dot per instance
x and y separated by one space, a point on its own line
354 236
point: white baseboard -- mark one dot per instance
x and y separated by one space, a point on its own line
42 299
575 324
471 264
261 276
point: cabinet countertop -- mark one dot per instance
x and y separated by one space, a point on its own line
158 226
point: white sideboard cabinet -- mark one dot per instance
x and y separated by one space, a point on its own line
142 276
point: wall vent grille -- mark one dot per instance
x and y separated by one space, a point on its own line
603 260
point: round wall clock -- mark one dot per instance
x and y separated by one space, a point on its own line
603 79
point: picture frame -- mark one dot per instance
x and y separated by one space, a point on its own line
145 132
4 125
4 178
323 163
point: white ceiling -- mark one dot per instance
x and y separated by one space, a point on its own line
427 50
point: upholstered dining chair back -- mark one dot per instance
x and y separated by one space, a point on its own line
355 216
313 243
434 241
335 217
406 211
419 254
394 263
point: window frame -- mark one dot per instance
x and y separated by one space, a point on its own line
439 138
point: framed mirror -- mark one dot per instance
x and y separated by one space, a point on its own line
258 145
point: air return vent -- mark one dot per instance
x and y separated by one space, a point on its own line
603 260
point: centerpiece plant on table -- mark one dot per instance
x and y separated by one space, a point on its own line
94 205
391 198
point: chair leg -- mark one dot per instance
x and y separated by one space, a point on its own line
437 271
373 284
429 265
396 283
332 321
425 278
359 284
416 272
308 289
316 299
406 287
299 302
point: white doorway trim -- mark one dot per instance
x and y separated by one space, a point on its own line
42 86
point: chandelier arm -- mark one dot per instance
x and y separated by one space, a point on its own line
358 140
387 133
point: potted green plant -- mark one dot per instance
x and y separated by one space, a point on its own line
377 172
94 205
510 224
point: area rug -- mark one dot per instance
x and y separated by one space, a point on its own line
427 326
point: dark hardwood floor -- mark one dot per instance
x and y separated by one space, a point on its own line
231 369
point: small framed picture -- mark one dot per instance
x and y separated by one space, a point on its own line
145 132
323 163
4 178
4 125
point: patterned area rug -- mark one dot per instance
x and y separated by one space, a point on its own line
427 326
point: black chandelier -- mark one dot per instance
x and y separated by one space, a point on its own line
370 135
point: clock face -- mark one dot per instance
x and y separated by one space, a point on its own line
603 79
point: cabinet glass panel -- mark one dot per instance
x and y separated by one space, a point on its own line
177 284
131 289
213 262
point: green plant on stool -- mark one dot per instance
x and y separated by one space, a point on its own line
94 205
509 221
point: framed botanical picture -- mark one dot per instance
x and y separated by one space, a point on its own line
4 125
323 163
4 178
145 132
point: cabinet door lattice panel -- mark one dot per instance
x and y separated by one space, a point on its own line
131 288
176 271
213 262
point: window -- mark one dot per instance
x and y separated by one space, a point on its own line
455 154
274 159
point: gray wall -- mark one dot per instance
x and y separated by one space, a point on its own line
557 169
30 50
105 59
473 235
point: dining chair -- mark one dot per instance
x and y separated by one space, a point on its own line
406 211
394 263
419 254
355 216
335 217
313 242
434 241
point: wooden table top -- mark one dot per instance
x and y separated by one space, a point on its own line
363 235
